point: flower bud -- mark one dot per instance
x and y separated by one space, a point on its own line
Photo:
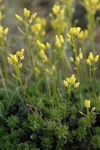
87 104
26 13
76 85
65 83
90 56
96 58
18 18
88 62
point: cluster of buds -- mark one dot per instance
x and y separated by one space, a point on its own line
91 59
93 5
51 70
74 33
59 40
71 82
43 56
58 19
15 60
56 9
42 45
27 15
3 32
39 27
77 59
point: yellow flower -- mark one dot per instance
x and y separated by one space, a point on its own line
12 59
87 104
88 61
26 13
33 16
75 32
41 45
56 9
20 54
16 59
65 83
48 45
90 56
91 59
36 28
76 85
96 58
68 37
43 56
70 82
18 18
59 40
72 79
80 54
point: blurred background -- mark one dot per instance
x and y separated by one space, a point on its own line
43 8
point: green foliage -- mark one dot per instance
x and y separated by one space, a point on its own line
39 110
95 141
12 122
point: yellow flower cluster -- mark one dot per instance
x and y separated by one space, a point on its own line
77 59
74 32
39 27
3 32
58 21
43 56
91 5
15 60
43 46
27 15
71 82
51 70
91 59
59 40
56 9
87 104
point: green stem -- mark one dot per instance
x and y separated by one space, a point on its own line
90 73
29 47
49 88
69 92
74 46
88 116
4 59
20 81
30 54
55 92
